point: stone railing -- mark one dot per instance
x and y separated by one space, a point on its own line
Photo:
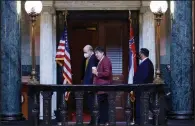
151 97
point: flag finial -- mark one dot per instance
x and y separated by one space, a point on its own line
129 14
130 19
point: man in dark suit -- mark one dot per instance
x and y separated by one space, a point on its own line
143 75
103 76
90 61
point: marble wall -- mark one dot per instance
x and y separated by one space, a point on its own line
165 45
10 60
181 60
147 39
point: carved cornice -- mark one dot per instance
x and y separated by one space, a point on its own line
97 5
47 3
48 9
144 9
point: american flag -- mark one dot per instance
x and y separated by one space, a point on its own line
63 59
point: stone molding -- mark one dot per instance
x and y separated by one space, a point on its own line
48 9
98 5
144 9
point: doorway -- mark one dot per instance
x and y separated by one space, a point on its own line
109 29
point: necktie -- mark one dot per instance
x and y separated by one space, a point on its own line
86 63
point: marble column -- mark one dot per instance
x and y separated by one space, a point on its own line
181 61
10 86
46 54
147 32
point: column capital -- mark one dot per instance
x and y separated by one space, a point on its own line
144 9
48 9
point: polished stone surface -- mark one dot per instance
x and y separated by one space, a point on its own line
47 59
181 58
147 33
10 59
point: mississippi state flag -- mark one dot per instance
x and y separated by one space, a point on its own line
132 56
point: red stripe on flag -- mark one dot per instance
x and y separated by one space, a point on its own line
62 56
67 77
67 58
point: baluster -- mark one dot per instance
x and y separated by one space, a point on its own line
128 110
144 108
95 109
112 108
156 109
47 95
63 110
79 108
35 109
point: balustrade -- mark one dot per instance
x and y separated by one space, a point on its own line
149 93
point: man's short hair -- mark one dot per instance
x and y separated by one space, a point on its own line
145 52
99 49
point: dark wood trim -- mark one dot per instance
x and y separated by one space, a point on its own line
97 14
75 15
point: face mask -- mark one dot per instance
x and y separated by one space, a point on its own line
139 56
86 55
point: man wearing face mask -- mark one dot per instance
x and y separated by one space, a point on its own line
143 75
145 71
90 61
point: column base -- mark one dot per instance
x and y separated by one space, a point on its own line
14 117
180 115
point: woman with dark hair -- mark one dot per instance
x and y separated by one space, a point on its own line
102 76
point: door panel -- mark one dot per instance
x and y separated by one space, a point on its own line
113 39
81 33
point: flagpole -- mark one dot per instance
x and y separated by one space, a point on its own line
65 15
65 96
132 93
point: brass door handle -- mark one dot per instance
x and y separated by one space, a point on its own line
91 28
115 78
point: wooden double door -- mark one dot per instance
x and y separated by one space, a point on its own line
111 33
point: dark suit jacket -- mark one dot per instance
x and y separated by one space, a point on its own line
104 70
144 73
87 75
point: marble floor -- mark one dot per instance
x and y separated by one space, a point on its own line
170 123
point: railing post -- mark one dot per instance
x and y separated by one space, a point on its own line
128 110
47 95
156 109
95 109
63 110
112 108
144 108
35 108
79 108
